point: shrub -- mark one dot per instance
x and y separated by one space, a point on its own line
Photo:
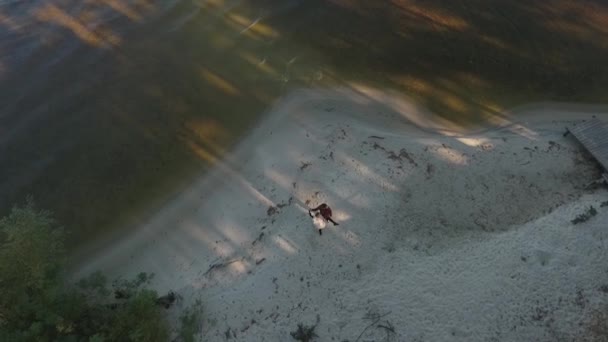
37 304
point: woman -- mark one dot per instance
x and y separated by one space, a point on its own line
325 212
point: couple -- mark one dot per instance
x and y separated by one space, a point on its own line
325 211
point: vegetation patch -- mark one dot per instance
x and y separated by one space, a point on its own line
38 304
190 322
589 213
304 333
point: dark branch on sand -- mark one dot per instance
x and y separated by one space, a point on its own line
222 265
376 320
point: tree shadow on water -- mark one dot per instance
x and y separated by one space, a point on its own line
495 53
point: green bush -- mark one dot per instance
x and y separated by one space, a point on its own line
31 256
139 320
36 304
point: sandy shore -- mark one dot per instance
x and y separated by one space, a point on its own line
448 234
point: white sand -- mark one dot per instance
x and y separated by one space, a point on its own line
456 235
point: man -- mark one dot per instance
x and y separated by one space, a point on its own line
325 212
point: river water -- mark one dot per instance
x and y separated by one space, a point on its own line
109 107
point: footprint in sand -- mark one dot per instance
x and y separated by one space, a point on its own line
543 257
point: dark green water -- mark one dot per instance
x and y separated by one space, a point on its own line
109 109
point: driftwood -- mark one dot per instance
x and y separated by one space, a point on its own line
221 265
167 300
